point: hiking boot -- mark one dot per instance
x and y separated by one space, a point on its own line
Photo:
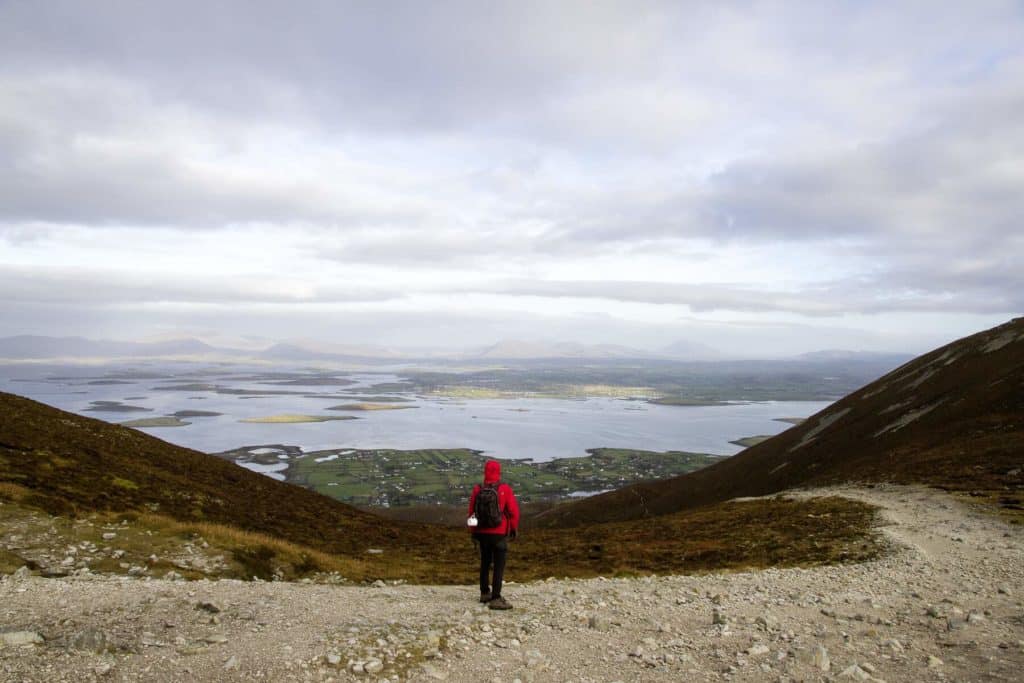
499 603
485 597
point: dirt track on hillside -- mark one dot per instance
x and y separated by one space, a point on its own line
944 604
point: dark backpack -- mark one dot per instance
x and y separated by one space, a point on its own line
487 509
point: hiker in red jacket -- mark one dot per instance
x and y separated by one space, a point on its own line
493 518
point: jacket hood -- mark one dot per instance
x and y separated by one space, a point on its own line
492 471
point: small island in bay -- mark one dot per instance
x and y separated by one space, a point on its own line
370 406
296 419
115 407
370 399
155 422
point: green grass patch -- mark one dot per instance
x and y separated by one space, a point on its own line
446 476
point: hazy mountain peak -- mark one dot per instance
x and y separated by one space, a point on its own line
685 349
523 349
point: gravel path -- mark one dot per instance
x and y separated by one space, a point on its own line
945 604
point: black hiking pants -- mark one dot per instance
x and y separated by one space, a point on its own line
493 551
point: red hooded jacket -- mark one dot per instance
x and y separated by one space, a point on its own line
506 501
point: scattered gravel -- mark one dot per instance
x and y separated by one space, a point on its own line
941 605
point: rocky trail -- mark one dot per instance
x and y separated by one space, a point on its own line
944 604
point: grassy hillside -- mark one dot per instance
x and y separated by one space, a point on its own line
70 480
952 418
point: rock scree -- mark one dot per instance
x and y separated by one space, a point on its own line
945 603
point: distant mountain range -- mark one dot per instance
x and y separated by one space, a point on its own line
513 349
309 351
33 347
519 349
685 349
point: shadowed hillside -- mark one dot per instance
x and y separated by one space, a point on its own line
952 418
74 464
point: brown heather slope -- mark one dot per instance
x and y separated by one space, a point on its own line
76 465
952 418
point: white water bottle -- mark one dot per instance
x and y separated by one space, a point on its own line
472 520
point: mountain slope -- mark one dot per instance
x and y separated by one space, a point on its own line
75 464
952 418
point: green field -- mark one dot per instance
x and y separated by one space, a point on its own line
430 476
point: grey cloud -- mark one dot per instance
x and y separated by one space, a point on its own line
601 80
977 290
421 251
933 216
832 299
385 66
990 282
935 183
596 78
96 287
467 249
957 179
64 163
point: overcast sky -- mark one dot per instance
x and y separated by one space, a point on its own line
765 178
